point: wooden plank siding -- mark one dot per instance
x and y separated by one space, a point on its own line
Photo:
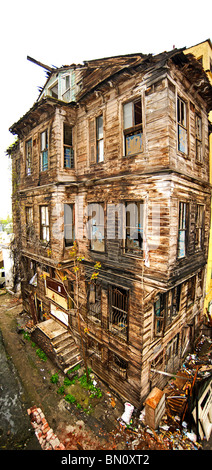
159 176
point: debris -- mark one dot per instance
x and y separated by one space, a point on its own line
126 417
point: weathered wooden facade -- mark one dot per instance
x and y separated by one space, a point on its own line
114 154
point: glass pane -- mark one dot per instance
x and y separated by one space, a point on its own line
99 127
182 139
137 112
100 151
128 115
67 135
68 214
181 244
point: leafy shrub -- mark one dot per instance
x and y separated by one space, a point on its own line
61 390
41 354
54 378
70 398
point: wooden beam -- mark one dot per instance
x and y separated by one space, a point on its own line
46 67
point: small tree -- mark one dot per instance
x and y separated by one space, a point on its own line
78 271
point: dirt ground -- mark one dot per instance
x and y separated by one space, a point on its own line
75 428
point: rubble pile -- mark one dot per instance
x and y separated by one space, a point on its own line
45 435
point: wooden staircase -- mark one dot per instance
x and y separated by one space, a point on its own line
58 343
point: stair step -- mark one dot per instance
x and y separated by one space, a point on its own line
69 354
64 343
66 370
61 337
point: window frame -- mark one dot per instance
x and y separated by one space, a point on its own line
46 225
198 138
121 329
94 290
115 361
44 152
29 222
67 146
139 220
199 226
99 139
28 155
136 128
183 227
67 225
100 224
182 127
95 140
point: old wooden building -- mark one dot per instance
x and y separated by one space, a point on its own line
114 155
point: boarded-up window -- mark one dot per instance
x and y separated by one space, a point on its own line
94 301
133 132
118 364
29 223
118 315
182 126
199 153
69 225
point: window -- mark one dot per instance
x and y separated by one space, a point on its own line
94 301
199 227
29 157
69 224
118 364
182 229
166 308
65 87
96 140
99 139
199 155
134 228
118 312
68 147
54 91
44 150
44 223
29 223
191 291
182 125
94 348
133 133
159 313
96 226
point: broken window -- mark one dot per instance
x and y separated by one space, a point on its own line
159 313
134 228
99 140
69 224
182 125
68 146
94 348
199 226
54 91
133 132
182 229
29 223
118 311
44 150
94 301
96 226
199 155
29 157
191 285
44 223
118 364
166 308
65 87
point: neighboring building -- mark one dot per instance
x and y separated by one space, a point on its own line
114 154
203 53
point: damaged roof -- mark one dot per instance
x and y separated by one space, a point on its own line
99 74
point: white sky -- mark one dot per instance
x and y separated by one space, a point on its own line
65 32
